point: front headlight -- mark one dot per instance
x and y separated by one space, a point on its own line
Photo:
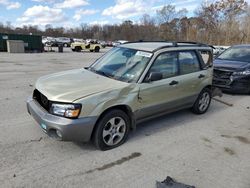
242 73
66 110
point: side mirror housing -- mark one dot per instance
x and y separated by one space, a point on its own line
154 76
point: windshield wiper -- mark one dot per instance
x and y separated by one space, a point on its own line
101 73
104 73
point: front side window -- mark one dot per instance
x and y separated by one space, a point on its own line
188 62
166 64
123 64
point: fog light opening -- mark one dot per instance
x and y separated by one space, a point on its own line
58 133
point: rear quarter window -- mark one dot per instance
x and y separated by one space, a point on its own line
207 58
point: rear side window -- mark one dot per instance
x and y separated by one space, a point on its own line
188 62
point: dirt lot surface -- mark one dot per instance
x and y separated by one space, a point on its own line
208 151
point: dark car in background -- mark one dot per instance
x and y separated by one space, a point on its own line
232 70
66 42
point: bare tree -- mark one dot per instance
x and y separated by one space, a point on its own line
223 22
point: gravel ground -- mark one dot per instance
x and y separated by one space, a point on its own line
210 150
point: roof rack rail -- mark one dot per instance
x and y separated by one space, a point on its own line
175 44
191 42
145 41
186 44
197 43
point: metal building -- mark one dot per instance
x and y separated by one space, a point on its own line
32 43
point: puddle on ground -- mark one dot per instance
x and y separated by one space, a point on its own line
109 165
243 139
229 151
206 139
225 136
240 138
118 162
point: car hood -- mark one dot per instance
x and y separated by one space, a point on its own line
71 85
230 65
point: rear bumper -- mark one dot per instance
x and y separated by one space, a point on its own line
71 129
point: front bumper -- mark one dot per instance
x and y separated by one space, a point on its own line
70 129
236 85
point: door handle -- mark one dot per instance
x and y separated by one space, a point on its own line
173 83
201 76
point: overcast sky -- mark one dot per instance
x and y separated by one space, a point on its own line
68 13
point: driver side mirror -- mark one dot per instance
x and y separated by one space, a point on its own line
154 76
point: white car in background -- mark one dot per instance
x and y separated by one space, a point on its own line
119 42
48 41
219 49
78 40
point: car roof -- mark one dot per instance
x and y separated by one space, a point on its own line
154 46
242 45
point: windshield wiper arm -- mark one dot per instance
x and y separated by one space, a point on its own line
101 72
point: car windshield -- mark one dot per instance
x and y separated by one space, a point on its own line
240 54
122 64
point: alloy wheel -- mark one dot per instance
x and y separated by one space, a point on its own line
204 101
114 131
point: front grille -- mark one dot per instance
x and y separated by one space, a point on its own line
222 77
222 74
41 99
221 82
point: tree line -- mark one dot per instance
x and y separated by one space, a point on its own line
223 22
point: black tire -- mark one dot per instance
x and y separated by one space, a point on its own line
97 49
203 101
78 48
104 126
65 45
91 50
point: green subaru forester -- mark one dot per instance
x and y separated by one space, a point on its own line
130 83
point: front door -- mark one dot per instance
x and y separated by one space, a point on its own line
155 96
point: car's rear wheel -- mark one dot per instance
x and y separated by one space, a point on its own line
111 130
78 48
203 101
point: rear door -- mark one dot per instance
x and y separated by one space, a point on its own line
191 74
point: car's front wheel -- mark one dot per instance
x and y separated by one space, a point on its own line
112 130
203 101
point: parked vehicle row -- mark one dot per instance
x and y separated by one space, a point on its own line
66 42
